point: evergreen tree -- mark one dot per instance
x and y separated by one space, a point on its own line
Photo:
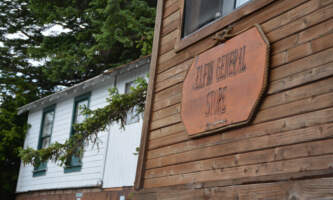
95 35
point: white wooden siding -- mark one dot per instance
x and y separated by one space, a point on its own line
114 166
55 178
120 166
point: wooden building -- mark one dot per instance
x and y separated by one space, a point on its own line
285 150
104 172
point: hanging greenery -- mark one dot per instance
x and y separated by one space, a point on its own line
87 132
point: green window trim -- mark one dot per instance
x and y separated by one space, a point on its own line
41 169
70 169
76 163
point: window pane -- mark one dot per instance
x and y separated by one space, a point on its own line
75 161
46 142
79 117
128 87
240 2
40 167
132 116
228 7
48 123
45 138
200 12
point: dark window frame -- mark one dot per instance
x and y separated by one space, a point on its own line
42 168
197 15
78 163
216 25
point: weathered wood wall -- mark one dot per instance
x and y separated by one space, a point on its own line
290 136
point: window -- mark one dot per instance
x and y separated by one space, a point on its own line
198 13
80 103
45 136
201 19
132 116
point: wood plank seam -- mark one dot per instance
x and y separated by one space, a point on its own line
304 22
309 163
303 42
268 96
274 91
222 142
251 134
310 50
300 57
241 152
330 81
289 103
173 64
310 72
287 10
170 10
255 163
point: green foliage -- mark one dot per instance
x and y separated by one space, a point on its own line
100 34
87 132
12 132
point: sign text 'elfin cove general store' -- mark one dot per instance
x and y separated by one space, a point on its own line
224 84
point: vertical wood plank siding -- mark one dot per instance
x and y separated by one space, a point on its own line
290 136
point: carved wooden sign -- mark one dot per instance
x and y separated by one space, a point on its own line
224 84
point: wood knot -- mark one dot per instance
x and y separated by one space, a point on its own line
257 170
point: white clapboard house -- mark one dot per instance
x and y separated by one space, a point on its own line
110 167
